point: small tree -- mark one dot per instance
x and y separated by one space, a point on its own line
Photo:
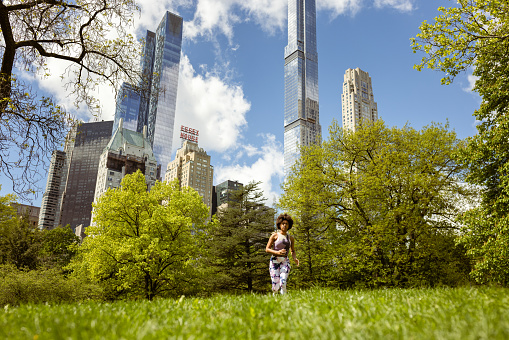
141 243
237 239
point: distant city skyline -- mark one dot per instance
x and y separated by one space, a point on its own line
231 77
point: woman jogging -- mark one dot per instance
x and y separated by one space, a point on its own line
279 246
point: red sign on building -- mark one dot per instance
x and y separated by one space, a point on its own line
189 134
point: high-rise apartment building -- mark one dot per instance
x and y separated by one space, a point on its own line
357 101
193 169
49 216
301 118
157 96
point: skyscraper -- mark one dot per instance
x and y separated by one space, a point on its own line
160 119
301 119
357 101
72 176
128 107
81 177
157 98
49 216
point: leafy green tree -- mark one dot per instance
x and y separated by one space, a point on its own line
475 34
57 247
92 37
383 202
236 242
141 243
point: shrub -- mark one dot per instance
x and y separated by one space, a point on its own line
43 286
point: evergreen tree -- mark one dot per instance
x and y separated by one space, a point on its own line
236 242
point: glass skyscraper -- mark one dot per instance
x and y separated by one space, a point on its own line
128 105
157 100
301 120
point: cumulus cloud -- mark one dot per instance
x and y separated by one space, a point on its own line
212 106
266 166
223 15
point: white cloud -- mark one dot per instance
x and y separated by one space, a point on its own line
338 7
400 5
471 83
212 106
267 168
222 15
54 84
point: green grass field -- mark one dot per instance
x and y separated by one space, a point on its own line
481 313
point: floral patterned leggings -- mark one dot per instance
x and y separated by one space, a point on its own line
279 269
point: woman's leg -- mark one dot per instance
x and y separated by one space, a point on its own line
274 269
284 271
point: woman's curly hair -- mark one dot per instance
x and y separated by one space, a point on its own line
284 217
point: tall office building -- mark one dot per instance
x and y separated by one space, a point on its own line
301 120
83 162
357 101
192 168
157 95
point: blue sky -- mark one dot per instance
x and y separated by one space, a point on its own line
231 84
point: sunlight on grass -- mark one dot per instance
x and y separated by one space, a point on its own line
312 314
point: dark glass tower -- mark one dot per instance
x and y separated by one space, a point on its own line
83 163
301 122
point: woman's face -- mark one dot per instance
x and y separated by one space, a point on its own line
284 226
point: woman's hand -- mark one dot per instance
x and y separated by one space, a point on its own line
282 252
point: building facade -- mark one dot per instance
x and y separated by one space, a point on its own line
222 193
30 211
49 216
157 91
301 116
127 152
357 101
192 168
83 155
127 109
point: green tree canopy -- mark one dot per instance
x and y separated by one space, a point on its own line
91 37
384 201
236 242
141 243
475 33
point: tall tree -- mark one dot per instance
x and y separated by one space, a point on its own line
475 34
237 239
383 202
91 37
141 243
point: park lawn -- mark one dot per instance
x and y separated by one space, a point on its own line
464 313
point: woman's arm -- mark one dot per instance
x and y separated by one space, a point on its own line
292 248
268 248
